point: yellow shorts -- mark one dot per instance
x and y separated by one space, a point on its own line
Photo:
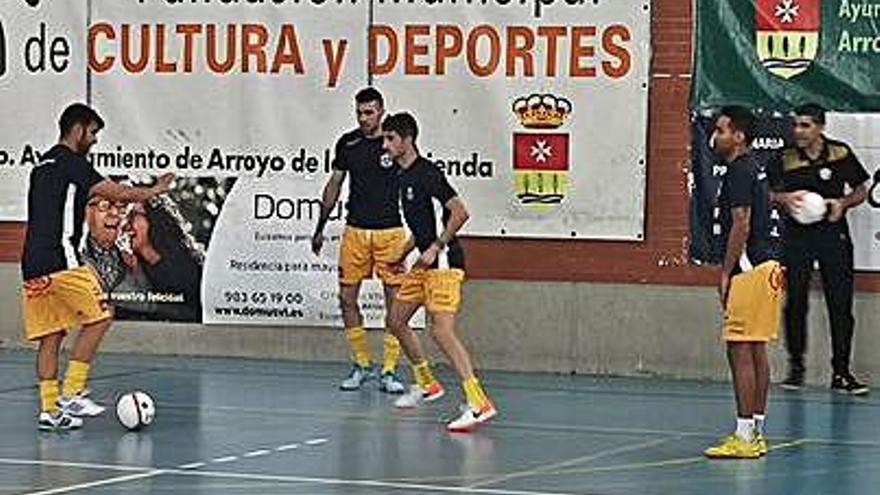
754 304
439 290
63 300
367 252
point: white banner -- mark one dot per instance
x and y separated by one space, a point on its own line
42 69
260 268
537 112
540 121
862 133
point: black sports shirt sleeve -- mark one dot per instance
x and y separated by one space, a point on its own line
83 174
853 171
739 181
438 186
339 161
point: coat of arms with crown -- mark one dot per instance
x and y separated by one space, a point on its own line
541 159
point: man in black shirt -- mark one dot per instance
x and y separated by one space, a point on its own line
827 167
59 293
750 282
434 281
373 234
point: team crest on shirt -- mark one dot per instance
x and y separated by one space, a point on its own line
825 173
541 157
787 35
385 161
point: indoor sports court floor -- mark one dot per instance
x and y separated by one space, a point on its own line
233 426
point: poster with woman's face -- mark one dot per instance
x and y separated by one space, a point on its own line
150 255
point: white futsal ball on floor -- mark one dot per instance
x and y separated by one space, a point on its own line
135 410
812 209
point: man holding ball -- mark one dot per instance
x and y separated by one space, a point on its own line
818 165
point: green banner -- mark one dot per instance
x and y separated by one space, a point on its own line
775 54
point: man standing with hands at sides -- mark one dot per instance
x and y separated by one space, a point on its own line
434 281
373 236
824 166
750 283
59 293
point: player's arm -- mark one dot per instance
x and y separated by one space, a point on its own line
115 191
856 176
328 201
458 215
789 200
736 244
837 207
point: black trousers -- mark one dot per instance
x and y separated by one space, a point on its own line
831 246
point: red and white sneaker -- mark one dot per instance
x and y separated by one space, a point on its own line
416 396
471 418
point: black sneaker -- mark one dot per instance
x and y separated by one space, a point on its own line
794 380
847 384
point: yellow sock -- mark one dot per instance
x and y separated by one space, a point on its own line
76 378
474 393
423 375
360 351
391 353
49 395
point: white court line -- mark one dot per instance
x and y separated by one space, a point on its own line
223 460
257 453
81 465
192 465
577 460
264 477
290 446
362 483
93 484
317 441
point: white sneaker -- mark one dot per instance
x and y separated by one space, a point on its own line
80 405
58 421
356 378
391 384
416 396
470 418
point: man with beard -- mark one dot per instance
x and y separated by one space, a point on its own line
373 236
59 293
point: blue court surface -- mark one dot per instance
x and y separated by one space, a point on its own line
234 426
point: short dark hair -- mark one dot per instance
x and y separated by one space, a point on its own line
741 119
368 95
78 113
403 124
812 110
